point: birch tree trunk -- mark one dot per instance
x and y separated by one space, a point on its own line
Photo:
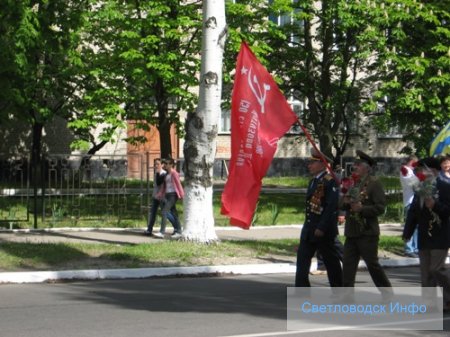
201 129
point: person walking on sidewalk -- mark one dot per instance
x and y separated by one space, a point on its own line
429 212
320 228
158 180
363 203
171 191
408 179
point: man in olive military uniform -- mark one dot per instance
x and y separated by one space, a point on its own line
320 227
363 203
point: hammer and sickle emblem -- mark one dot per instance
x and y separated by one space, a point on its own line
259 92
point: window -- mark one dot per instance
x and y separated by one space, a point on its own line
298 108
286 19
225 121
391 132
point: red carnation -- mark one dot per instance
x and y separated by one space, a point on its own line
355 177
346 185
421 176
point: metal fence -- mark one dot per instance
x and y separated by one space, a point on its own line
73 188
14 190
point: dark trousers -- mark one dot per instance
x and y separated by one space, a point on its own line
330 255
434 273
340 249
365 247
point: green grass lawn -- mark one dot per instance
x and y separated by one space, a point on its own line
272 209
16 256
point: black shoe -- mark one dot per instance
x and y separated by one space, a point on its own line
147 233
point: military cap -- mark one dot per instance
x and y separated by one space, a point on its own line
430 162
317 155
365 158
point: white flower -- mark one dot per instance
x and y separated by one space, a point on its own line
55 28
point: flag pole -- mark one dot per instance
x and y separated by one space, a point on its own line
322 158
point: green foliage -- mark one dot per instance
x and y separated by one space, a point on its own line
344 58
327 67
416 80
105 62
98 64
39 63
142 60
38 39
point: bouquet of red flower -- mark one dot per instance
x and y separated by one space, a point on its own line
346 184
350 188
426 185
426 188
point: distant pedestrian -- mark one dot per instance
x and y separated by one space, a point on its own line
408 180
320 228
430 212
443 179
171 191
158 180
363 203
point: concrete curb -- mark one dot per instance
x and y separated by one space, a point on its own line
137 273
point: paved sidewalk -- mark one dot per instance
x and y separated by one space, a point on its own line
129 236
113 235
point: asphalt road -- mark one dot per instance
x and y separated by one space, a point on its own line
238 306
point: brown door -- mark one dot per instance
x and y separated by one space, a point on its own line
141 156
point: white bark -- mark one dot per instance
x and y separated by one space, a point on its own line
198 214
201 129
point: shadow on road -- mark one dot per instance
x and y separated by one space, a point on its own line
202 295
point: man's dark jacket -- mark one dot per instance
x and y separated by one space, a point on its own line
321 208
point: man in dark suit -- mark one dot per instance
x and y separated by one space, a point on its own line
429 215
363 204
320 228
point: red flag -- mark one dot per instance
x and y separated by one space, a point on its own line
260 115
